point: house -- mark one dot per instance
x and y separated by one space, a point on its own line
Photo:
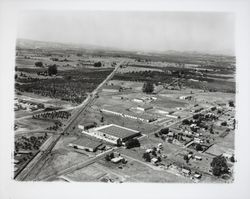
228 154
138 100
188 97
197 175
170 134
154 160
186 171
149 150
197 157
198 140
197 109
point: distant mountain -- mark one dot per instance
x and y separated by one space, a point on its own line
46 45
33 44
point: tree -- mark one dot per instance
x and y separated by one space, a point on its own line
146 157
185 122
186 158
231 103
232 159
196 116
39 64
211 129
112 155
52 70
132 143
164 131
219 165
148 87
68 78
107 158
224 123
97 64
156 135
198 147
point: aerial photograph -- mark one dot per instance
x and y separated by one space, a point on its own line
125 97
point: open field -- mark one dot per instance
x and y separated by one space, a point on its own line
183 124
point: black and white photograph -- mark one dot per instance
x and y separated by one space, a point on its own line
138 97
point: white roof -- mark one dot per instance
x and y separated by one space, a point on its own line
116 159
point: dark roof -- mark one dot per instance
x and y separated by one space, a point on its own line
118 131
86 142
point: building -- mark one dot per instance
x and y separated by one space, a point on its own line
154 160
186 171
113 133
173 116
197 175
117 159
198 157
197 109
111 89
144 108
138 100
188 97
86 144
87 125
129 114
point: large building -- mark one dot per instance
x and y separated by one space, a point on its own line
144 108
112 88
113 133
129 114
86 144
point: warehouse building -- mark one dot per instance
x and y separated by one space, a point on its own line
113 133
129 114
112 89
86 144
87 125
144 108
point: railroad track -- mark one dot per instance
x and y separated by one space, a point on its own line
43 154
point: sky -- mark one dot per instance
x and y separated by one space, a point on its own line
140 31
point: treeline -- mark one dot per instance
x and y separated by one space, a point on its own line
73 87
52 115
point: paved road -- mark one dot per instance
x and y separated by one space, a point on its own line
78 165
22 132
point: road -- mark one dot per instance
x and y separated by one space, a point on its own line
78 165
47 149
22 132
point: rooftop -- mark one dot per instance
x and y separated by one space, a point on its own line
86 142
117 131
145 106
128 112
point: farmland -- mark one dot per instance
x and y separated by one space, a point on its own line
173 115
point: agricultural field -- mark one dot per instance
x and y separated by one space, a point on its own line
170 117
